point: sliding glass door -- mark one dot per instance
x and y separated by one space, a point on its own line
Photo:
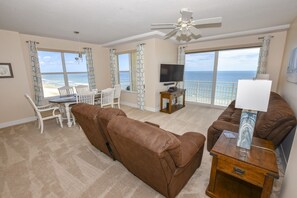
211 77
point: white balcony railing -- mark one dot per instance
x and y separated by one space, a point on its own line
201 91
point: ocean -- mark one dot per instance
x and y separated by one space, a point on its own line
222 76
57 80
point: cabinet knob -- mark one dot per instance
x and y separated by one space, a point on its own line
238 171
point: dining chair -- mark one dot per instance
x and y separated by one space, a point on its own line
45 112
117 95
107 97
80 89
66 90
86 97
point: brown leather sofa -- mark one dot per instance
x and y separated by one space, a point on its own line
87 117
274 125
159 158
163 160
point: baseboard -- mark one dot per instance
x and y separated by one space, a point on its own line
135 106
17 122
129 104
151 109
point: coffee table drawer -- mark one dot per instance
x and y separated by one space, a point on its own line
242 171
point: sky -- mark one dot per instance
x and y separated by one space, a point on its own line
124 62
229 60
52 62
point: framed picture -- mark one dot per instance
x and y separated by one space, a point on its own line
6 70
292 67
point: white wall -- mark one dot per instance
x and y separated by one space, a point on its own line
276 50
13 49
289 92
12 90
156 51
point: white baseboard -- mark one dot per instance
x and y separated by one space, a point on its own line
17 122
151 109
135 106
129 104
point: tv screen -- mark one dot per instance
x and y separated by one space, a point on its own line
171 72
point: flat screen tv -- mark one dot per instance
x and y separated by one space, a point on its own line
171 72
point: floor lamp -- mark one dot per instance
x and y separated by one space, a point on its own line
252 96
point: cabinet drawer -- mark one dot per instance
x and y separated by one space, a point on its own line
241 170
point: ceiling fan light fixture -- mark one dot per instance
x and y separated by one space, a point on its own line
186 28
79 58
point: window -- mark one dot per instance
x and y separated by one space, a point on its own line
211 77
59 69
127 71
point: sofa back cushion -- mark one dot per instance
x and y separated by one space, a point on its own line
143 149
105 115
86 116
277 122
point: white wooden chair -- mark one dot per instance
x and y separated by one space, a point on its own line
86 97
45 112
80 89
66 90
107 97
117 95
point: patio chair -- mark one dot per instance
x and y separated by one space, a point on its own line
107 97
117 95
45 112
80 89
66 90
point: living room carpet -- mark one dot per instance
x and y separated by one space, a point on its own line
62 163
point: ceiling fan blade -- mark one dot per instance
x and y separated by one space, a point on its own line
186 14
194 30
207 22
162 28
171 33
157 24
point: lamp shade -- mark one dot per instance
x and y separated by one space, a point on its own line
253 94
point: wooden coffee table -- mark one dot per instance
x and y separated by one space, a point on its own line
235 174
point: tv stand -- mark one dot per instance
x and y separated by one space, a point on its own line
172 107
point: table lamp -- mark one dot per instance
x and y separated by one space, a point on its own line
252 96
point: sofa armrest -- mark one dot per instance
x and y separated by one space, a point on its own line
191 143
216 129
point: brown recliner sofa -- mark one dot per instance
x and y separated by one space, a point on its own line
159 158
274 125
163 160
87 117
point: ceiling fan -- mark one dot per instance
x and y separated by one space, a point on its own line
186 28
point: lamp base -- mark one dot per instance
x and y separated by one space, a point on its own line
246 128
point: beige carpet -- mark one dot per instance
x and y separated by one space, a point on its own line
62 163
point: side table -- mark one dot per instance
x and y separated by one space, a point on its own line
236 175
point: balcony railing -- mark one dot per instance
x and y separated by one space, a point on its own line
201 91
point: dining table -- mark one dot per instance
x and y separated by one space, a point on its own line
65 101
68 100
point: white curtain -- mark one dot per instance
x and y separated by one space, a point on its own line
263 56
181 56
140 76
113 67
89 61
36 75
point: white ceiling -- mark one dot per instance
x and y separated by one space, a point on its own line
105 21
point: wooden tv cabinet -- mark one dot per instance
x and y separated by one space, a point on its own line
172 107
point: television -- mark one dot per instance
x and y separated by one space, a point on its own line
171 72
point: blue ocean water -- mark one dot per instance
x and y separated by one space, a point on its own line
57 80
222 76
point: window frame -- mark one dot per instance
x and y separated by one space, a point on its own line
215 67
64 72
130 69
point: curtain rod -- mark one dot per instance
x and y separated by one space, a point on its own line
35 42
